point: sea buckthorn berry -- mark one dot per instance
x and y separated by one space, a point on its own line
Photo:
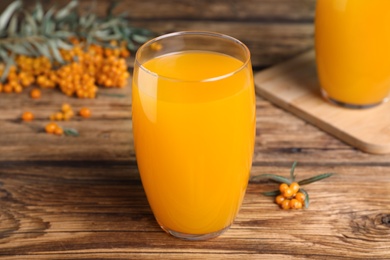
285 204
18 88
68 114
51 127
35 93
27 116
59 116
85 112
282 187
7 88
300 196
156 46
288 193
279 199
295 204
58 131
65 107
294 186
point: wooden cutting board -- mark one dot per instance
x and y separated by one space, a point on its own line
293 85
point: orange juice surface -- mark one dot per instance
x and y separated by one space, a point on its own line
352 49
194 138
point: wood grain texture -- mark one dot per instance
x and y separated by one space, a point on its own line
294 86
274 30
82 198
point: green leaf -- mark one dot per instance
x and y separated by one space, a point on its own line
307 200
48 27
31 22
71 132
271 193
48 15
9 61
90 19
130 45
42 48
64 34
13 26
47 20
140 38
292 175
38 12
8 12
273 177
65 11
63 45
315 178
54 50
30 48
108 24
16 48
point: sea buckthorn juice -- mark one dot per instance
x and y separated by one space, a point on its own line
352 39
194 125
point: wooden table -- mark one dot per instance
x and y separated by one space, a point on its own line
82 198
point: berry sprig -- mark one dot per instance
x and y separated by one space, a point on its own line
290 195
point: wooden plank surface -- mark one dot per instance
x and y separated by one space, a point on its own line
274 30
81 197
294 86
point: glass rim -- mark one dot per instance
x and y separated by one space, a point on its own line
201 33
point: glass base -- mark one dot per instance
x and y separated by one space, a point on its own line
348 105
194 237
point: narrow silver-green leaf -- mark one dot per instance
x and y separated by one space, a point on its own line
16 48
30 20
63 45
48 15
271 193
42 48
108 24
3 54
315 178
307 199
130 45
140 38
292 175
64 34
38 12
9 61
71 132
32 51
65 11
101 33
8 12
90 19
273 177
49 28
13 26
54 50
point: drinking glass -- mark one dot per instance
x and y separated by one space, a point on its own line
352 39
193 111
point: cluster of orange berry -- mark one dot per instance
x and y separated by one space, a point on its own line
66 113
86 68
290 197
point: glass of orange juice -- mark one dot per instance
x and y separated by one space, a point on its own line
352 42
193 110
